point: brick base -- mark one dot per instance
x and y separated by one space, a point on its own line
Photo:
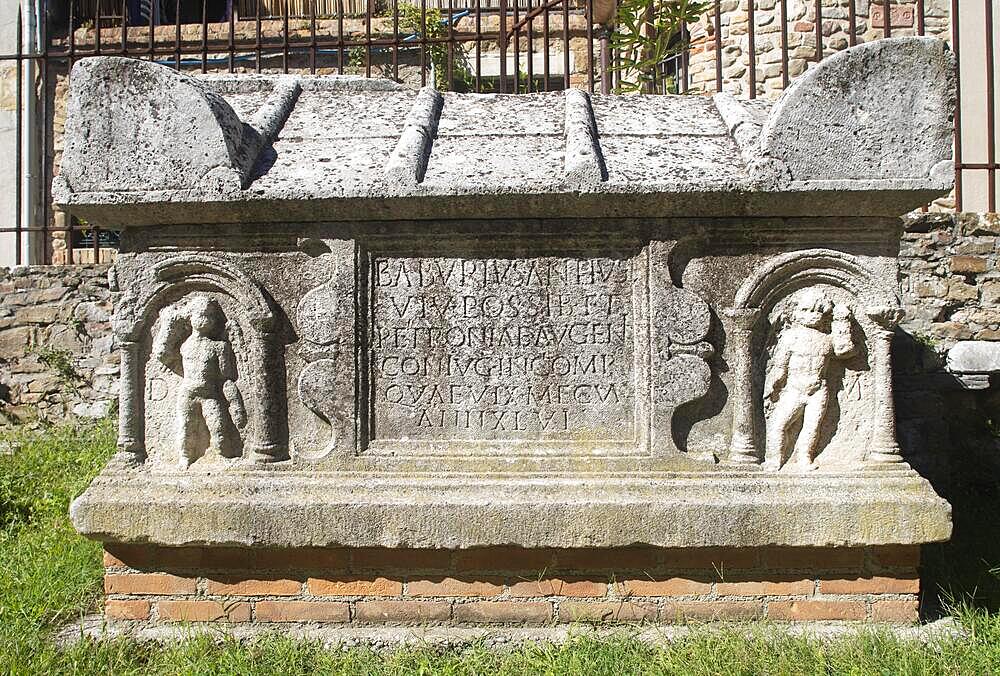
510 585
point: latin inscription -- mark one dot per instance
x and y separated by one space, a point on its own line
535 348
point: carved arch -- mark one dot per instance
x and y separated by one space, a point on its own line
168 281
781 276
195 272
790 271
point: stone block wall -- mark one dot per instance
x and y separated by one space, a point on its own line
951 278
57 356
510 586
801 30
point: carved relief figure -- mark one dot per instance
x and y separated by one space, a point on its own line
192 342
796 384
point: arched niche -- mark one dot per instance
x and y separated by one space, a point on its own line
875 309
258 351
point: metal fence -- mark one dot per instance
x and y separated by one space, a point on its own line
749 47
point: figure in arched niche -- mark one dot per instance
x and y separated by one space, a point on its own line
796 384
192 342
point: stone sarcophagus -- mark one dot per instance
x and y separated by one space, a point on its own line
352 315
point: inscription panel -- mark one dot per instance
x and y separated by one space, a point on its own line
537 353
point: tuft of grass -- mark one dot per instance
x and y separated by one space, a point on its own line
50 576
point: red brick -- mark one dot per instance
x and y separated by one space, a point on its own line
126 610
378 586
128 556
684 611
899 556
111 561
624 558
178 558
771 587
149 583
715 560
557 587
402 611
227 558
203 611
304 558
674 586
505 559
606 611
452 587
816 610
531 612
237 587
894 611
410 560
871 585
813 558
302 611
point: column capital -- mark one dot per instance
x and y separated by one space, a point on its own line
743 317
886 317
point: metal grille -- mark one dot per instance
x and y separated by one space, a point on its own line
749 47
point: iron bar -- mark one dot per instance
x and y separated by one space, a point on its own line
502 33
784 42
752 48
18 148
545 46
955 40
819 30
852 23
565 27
204 36
588 14
232 38
991 177
395 43
517 48
46 178
479 46
530 56
718 45
284 37
423 43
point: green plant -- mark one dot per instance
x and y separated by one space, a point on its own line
645 33
427 23
924 340
61 362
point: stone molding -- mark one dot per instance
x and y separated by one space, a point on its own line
298 509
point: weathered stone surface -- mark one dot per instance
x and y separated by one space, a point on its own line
488 154
360 356
873 130
292 510
974 356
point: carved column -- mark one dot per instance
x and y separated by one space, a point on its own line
884 448
131 409
268 445
742 447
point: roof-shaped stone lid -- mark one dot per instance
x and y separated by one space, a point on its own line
866 132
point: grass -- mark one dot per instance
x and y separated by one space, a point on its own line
50 576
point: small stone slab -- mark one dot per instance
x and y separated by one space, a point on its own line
974 356
293 509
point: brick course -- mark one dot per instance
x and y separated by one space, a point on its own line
145 583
